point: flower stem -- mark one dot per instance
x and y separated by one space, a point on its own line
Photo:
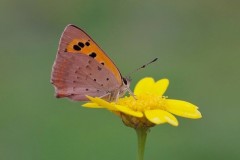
142 136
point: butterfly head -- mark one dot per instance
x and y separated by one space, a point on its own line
125 86
126 81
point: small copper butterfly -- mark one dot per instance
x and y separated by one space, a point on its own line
82 68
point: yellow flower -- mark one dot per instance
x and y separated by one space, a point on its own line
148 107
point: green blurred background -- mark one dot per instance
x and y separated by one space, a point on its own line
198 46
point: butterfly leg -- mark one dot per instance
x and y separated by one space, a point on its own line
131 93
106 96
117 96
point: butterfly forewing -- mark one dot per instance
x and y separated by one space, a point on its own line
75 40
82 68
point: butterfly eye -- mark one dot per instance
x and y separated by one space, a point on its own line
125 81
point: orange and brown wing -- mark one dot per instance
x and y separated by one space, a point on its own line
83 44
82 68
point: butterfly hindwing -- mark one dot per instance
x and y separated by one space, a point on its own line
82 79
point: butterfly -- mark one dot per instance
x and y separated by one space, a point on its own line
82 68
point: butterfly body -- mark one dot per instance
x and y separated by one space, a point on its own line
81 68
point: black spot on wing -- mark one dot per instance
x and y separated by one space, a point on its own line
93 55
81 44
87 44
76 47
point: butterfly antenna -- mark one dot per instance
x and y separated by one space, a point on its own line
143 66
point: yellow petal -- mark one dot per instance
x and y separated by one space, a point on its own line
144 85
102 103
182 108
160 87
129 111
91 105
161 116
155 116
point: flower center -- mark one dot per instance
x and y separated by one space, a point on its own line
146 101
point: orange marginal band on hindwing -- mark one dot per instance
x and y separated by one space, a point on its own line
81 68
